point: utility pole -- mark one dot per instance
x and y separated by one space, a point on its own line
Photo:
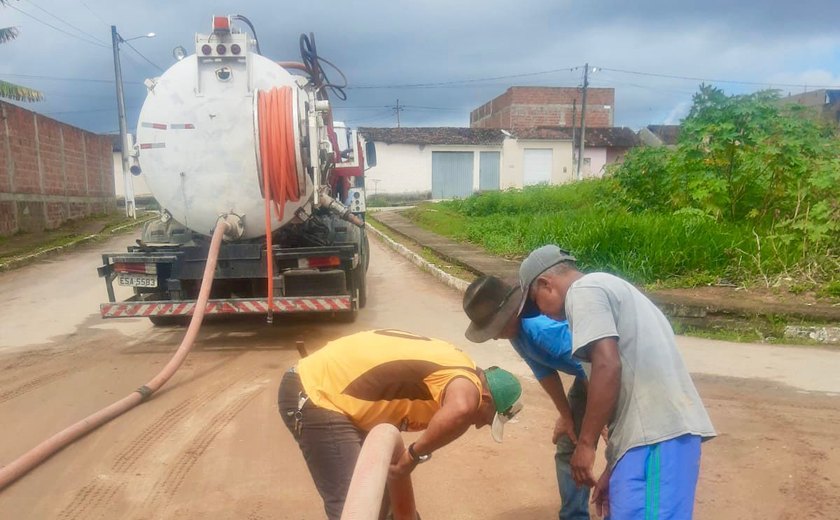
129 186
582 120
574 130
397 110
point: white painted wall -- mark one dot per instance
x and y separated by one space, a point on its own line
140 188
537 165
562 170
400 168
407 168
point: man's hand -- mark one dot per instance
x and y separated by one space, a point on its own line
582 461
601 495
403 467
564 427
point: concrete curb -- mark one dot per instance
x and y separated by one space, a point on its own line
16 261
442 276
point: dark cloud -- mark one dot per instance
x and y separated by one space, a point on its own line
388 43
765 19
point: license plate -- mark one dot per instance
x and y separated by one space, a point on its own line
138 280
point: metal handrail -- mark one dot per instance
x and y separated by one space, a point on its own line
382 447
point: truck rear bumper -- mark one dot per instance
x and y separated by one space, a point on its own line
136 309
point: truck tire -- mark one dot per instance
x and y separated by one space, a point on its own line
361 283
366 251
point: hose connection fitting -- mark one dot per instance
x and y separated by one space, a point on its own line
235 225
145 392
324 200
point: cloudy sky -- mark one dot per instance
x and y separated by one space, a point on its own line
440 58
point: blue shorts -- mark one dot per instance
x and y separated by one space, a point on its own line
657 481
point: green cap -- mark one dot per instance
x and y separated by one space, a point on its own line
506 391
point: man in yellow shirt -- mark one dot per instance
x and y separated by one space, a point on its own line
333 397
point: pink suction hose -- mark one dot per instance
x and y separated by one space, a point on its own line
383 446
34 457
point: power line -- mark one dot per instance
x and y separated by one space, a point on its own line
710 80
150 62
602 80
56 78
18 9
446 109
387 114
65 22
464 81
86 111
402 106
94 13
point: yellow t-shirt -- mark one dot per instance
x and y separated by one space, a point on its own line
384 376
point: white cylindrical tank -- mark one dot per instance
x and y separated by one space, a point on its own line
197 144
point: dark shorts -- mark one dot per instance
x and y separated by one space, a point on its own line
329 441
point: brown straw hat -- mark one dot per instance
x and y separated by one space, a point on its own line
490 303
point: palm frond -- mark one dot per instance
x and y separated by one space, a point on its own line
19 93
8 33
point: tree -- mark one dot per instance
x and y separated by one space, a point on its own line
10 90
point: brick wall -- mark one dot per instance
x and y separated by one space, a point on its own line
50 172
530 107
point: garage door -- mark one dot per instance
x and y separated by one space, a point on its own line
537 166
488 171
452 174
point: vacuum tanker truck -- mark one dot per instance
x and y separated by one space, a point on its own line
227 133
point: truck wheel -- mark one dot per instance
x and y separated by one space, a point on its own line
361 283
366 251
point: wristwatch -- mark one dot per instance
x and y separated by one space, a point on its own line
418 459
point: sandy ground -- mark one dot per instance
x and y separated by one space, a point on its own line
211 445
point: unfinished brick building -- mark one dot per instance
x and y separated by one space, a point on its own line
531 107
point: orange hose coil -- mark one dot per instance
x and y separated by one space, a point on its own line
275 115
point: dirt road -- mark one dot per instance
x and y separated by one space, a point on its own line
211 445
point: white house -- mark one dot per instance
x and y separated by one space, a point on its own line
603 146
445 162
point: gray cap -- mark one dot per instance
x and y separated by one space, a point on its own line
539 261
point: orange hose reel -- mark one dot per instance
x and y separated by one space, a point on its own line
279 168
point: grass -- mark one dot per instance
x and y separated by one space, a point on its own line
755 330
21 245
645 249
424 252
682 249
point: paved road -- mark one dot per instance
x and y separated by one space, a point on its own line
211 445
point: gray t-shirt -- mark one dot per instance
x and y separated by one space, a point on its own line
657 400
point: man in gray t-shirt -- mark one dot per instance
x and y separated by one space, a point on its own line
638 385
